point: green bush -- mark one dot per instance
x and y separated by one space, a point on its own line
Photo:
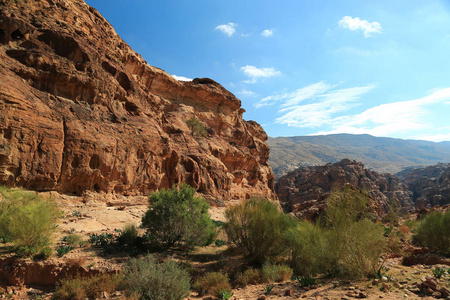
129 235
258 227
249 276
434 232
74 240
63 250
306 281
197 128
177 216
344 243
276 273
92 287
212 283
153 281
309 246
27 220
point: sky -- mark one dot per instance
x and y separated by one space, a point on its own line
306 67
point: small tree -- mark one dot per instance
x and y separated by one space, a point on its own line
177 216
27 220
258 227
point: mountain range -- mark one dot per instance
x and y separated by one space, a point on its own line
381 154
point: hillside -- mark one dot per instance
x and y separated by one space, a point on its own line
384 155
82 111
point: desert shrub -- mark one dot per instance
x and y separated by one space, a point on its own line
358 247
309 246
306 281
258 227
344 242
129 236
153 281
80 288
177 216
27 220
434 232
346 206
276 273
249 276
73 240
197 128
63 250
212 283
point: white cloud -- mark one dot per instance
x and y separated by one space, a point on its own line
255 73
267 33
368 28
391 118
181 78
323 102
296 96
227 29
246 93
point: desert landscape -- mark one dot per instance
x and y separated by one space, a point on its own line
119 181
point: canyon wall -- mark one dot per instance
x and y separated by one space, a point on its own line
80 110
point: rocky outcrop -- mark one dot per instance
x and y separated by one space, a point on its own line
80 110
305 190
430 186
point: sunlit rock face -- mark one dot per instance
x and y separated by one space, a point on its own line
305 190
80 110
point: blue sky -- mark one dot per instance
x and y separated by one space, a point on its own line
305 67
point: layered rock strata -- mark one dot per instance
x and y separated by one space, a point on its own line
80 110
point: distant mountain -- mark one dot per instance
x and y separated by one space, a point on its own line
384 155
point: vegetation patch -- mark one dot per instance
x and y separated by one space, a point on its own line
27 221
434 232
212 283
150 280
176 216
258 227
92 287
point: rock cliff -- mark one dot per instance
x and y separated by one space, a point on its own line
430 186
80 110
305 190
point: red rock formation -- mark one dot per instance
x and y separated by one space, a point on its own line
80 110
430 186
305 190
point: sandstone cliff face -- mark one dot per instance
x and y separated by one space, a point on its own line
305 190
430 186
80 110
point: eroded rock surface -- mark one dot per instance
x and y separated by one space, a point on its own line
80 110
305 190
430 186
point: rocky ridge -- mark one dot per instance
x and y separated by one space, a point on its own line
305 190
80 110
429 186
